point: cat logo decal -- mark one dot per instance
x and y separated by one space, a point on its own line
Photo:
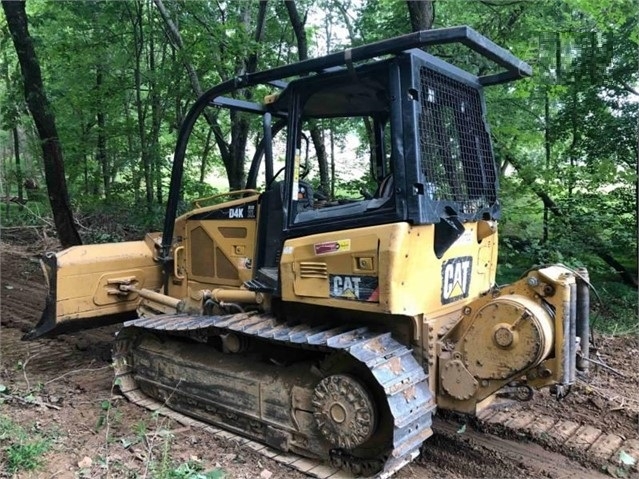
456 274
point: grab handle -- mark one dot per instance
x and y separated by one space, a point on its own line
176 253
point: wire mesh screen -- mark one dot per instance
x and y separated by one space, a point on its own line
456 157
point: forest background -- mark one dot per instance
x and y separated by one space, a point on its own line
118 77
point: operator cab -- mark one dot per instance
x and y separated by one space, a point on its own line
357 100
428 143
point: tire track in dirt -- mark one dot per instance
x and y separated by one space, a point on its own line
526 458
46 358
23 290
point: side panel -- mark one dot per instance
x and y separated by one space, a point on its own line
215 247
220 252
84 285
388 269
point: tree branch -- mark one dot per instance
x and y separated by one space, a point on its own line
629 88
176 40
500 4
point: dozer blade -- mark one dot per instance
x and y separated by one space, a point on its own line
85 285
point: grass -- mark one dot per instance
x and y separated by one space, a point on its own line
614 308
26 456
162 466
192 470
152 437
24 450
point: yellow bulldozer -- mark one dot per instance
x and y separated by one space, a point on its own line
334 329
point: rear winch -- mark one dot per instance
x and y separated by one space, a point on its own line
507 335
523 334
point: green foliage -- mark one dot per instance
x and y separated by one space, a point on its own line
190 470
26 456
108 414
113 221
352 188
382 19
34 213
140 428
614 305
194 470
22 450
194 190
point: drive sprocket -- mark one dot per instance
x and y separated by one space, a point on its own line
344 411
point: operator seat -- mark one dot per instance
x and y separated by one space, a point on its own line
305 195
386 187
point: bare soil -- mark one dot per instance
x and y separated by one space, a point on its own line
604 399
71 385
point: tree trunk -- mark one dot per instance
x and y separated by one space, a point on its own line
573 144
205 155
239 123
544 238
16 154
322 159
130 153
101 153
145 154
239 138
44 120
157 111
421 13
298 28
332 140
13 121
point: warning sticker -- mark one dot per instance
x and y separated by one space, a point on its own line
332 246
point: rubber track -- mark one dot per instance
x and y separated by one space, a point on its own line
391 364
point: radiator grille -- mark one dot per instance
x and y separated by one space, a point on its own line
309 269
201 252
456 156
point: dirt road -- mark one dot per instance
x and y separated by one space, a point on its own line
62 390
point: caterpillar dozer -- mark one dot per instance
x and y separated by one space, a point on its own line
334 329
